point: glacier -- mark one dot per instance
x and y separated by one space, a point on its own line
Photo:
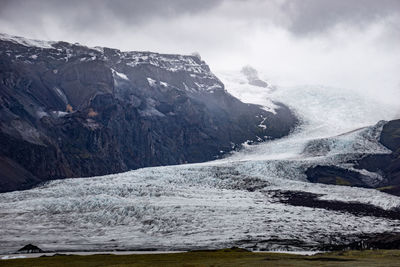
231 201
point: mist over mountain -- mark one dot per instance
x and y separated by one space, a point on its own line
337 43
196 125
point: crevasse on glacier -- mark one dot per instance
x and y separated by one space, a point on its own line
231 201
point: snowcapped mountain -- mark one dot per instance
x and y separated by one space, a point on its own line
68 110
79 110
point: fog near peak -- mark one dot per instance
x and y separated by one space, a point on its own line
346 43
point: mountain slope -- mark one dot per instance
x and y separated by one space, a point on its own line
259 198
386 166
67 110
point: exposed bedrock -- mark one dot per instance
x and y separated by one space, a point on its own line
67 110
385 165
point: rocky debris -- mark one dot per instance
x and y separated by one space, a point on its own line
305 199
67 110
30 249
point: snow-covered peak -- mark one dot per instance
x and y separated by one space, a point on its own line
237 84
186 72
26 41
170 62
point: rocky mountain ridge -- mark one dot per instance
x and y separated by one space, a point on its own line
67 110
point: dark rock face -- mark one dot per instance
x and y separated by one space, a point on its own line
305 199
387 165
390 138
334 175
67 110
30 249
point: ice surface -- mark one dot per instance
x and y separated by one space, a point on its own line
58 113
152 82
9 257
221 203
120 75
61 94
176 207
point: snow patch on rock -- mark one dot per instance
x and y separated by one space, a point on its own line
120 75
25 41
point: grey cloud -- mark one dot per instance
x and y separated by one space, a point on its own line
291 40
301 17
97 15
314 16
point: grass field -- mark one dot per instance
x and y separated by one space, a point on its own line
226 257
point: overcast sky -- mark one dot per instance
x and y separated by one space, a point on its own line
347 43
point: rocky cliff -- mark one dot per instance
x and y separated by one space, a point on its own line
67 110
386 166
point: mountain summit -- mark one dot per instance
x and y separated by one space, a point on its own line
67 110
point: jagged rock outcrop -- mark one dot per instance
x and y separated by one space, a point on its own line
30 249
335 175
385 165
67 110
388 165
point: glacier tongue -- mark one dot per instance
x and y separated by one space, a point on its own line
178 207
232 201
